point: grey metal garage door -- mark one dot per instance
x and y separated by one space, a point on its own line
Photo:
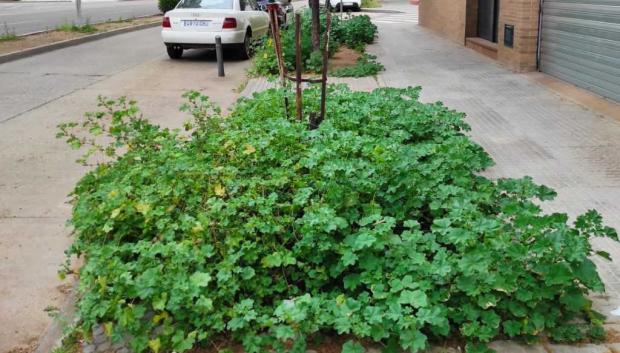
580 43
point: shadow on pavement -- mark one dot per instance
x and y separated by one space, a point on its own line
208 55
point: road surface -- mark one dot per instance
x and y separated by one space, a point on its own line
27 17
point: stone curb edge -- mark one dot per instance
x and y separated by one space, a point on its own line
50 338
71 42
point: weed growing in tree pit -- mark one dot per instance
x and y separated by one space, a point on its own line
376 225
354 32
366 65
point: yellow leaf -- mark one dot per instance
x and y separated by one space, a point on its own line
102 281
112 194
340 299
197 228
159 317
115 213
155 345
249 149
219 190
143 208
107 328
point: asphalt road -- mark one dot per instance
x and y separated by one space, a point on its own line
28 17
31 82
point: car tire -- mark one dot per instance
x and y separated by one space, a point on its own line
174 52
245 48
357 8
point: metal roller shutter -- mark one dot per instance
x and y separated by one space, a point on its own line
580 43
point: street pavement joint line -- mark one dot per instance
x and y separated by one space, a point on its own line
73 75
51 74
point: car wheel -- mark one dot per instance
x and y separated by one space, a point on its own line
245 48
174 51
357 8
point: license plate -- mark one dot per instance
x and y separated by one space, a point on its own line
195 23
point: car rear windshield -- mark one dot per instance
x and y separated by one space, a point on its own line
206 4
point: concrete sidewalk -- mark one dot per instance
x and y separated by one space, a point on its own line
527 128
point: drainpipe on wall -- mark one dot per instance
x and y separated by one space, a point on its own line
539 39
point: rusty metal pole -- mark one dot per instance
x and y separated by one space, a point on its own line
275 31
298 66
328 24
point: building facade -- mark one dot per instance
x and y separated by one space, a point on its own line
575 40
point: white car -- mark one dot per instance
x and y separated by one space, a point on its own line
355 5
196 23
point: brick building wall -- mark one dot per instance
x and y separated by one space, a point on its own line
457 20
445 17
524 15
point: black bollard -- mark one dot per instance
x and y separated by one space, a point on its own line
219 53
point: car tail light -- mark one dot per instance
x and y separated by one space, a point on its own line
166 22
230 22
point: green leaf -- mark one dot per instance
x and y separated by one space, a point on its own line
512 328
352 347
200 279
413 340
159 303
349 258
575 300
604 255
415 298
558 274
364 240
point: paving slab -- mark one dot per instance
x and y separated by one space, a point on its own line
587 348
614 347
513 347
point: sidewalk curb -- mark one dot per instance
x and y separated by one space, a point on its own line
71 42
54 332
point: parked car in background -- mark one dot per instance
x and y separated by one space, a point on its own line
355 5
196 23
286 12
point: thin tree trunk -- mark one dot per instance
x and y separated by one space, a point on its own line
316 24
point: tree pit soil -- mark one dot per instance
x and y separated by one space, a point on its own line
612 336
344 57
49 37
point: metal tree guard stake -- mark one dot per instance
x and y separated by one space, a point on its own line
298 78
275 31
328 24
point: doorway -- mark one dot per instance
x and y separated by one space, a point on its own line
488 18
